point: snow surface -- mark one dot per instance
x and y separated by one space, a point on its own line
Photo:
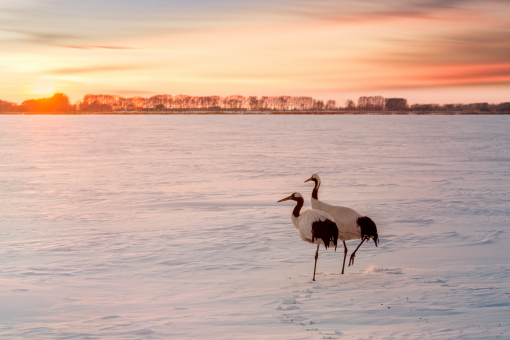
160 227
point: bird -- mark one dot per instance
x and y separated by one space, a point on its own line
351 224
314 226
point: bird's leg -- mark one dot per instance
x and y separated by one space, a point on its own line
345 255
353 255
316 257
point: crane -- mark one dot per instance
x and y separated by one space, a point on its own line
314 226
351 225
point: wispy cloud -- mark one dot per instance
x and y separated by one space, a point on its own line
477 74
362 11
40 36
94 69
88 47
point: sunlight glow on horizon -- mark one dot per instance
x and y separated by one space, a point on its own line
43 86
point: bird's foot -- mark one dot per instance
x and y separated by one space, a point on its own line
351 260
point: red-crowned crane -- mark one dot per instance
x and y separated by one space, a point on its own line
351 225
314 226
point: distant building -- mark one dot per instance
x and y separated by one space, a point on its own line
396 104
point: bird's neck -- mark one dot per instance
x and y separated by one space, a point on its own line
315 192
298 207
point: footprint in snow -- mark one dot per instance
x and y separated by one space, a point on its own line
293 307
307 290
330 335
291 301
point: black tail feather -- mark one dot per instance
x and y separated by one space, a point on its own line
368 229
325 230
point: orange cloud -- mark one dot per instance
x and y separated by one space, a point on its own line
435 76
94 69
87 47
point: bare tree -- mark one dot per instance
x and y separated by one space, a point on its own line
330 105
378 103
319 105
362 103
253 102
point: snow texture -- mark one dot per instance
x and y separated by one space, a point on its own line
167 227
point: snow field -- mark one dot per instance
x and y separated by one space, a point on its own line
158 227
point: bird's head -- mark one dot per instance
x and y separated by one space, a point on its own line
295 197
314 178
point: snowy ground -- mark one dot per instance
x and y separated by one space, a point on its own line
158 227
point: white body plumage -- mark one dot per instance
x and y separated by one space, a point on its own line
345 219
304 223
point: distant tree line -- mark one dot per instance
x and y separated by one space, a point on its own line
473 107
379 103
8 106
93 102
59 102
108 103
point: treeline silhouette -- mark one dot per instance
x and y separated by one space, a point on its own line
59 102
184 102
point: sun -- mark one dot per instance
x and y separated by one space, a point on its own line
43 85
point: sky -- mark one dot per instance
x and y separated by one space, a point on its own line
428 51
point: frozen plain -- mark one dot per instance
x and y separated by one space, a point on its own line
167 227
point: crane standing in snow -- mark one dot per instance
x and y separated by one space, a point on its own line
314 226
351 225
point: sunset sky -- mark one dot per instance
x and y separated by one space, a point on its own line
427 51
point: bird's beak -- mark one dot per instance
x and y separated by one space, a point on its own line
308 180
285 199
